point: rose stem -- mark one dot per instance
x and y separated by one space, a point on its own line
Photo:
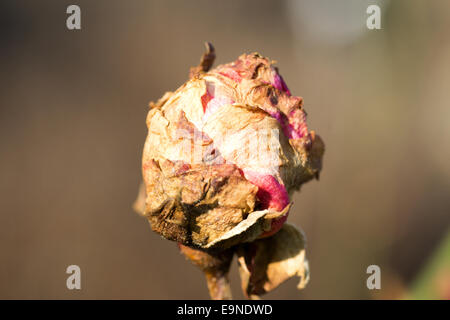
218 285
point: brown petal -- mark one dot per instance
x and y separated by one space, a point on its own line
196 205
249 229
205 206
266 263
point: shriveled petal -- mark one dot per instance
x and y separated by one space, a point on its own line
250 138
203 206
266 263
249 229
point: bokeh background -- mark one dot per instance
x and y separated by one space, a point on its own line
72 127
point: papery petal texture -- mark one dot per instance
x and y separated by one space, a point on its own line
223 154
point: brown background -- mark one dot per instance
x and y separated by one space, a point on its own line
72 126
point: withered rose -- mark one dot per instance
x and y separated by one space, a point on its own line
223 155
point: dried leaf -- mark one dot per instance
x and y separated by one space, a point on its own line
266 263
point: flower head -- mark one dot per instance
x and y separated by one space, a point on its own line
223 155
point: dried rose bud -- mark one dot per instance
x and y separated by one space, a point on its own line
222 157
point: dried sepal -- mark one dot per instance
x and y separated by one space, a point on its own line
266 263
206 61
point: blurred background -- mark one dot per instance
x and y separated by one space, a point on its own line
72 127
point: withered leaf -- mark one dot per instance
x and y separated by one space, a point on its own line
266 263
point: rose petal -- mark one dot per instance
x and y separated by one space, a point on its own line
196 206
